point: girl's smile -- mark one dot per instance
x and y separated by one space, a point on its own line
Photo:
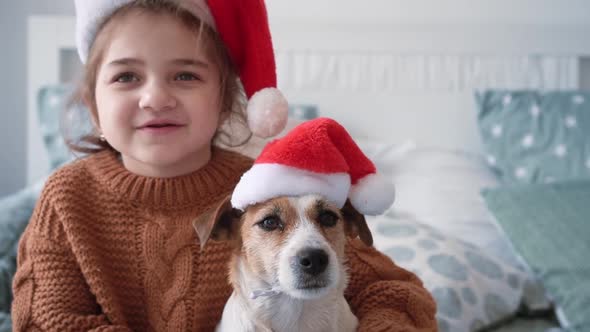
160 126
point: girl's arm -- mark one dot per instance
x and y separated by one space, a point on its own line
385 297
50 292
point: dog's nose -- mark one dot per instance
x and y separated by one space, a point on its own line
312 261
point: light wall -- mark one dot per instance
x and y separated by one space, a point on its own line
495 11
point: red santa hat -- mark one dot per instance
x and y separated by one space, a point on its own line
316 157
243 27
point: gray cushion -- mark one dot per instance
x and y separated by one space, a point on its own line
15 212
5 322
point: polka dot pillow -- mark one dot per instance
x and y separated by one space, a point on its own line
536 137
52 101
472 289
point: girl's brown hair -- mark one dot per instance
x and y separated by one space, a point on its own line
231 92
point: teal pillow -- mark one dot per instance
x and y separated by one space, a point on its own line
548 225
5 322
536 137
15 212
51 101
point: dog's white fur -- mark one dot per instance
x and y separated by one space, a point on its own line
292 308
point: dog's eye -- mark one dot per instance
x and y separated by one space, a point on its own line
327 218
270 223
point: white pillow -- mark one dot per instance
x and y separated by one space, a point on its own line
471 288
441 188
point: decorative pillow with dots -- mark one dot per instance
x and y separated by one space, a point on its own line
52 101
472 289
534 136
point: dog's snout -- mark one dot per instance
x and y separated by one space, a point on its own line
312 261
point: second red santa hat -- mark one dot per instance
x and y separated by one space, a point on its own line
317 157
243 27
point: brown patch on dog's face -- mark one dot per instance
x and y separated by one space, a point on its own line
264 230
329 221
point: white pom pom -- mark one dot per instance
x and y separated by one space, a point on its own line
267 112
372 195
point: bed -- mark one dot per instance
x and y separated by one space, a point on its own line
483 128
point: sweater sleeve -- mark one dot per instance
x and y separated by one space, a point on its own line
385 297
50 292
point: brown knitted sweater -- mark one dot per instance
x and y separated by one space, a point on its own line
108 250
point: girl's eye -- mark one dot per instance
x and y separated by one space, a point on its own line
126 78
327 219
270 223
187 77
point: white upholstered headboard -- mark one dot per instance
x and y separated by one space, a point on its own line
392 77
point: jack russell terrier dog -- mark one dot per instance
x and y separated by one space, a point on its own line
287 270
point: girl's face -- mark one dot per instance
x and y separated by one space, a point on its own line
157 96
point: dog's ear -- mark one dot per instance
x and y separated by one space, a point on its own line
355 224
218 224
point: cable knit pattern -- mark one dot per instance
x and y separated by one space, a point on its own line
167 252
107 250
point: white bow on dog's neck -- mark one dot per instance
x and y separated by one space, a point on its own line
265 292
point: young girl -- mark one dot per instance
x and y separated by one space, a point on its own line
111 246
